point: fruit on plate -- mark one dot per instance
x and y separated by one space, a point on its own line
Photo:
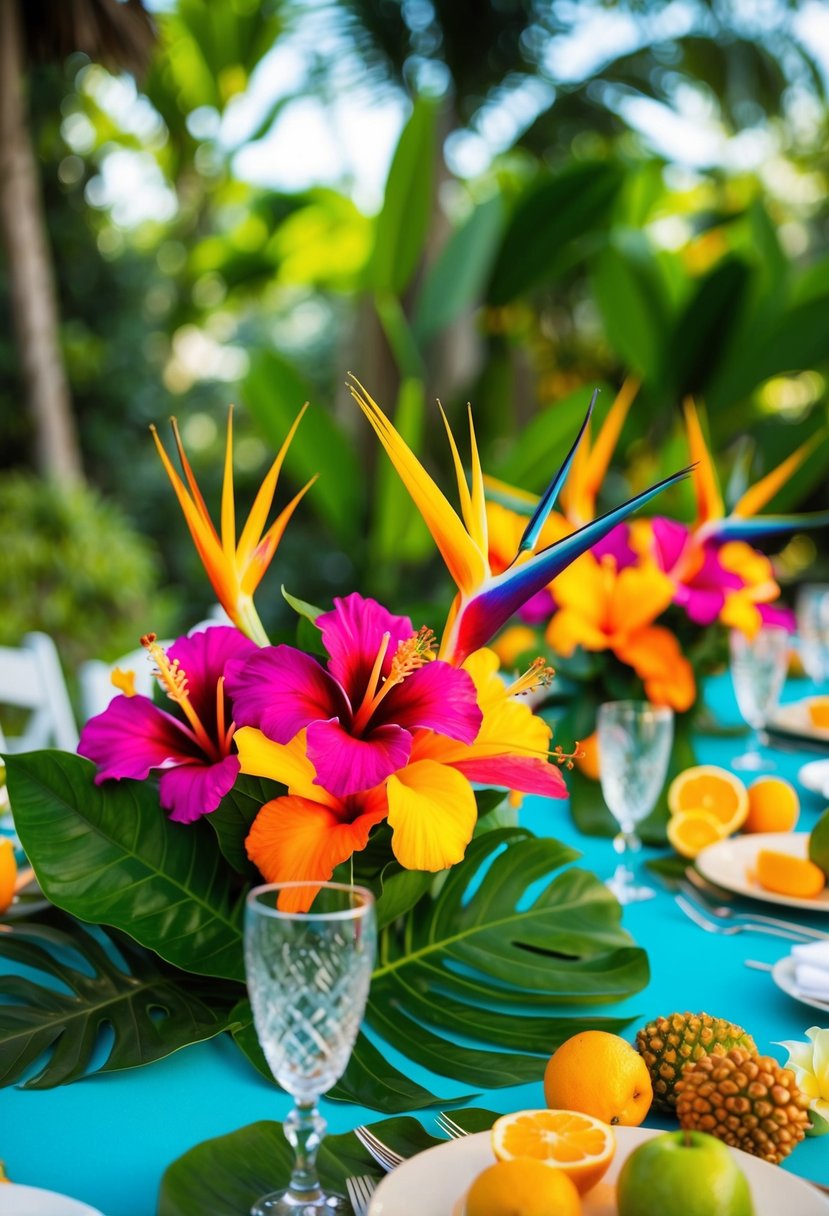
748 1101
773 806
579 1145
682 1174
819 843
819 712
667 1044
692 831
8 874
522 1188
599 1074
787 875
705 787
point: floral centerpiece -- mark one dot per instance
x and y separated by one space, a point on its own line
378 754
646 611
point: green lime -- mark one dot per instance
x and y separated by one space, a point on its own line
819 843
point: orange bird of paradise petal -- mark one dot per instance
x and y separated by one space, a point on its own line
234 569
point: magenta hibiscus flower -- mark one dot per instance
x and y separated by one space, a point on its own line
380 684
194 752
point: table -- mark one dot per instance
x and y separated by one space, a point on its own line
108 1139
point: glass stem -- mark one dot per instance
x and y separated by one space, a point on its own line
304 1129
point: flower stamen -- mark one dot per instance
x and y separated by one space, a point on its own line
539 674
174 682
411 653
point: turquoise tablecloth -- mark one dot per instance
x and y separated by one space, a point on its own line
107 1140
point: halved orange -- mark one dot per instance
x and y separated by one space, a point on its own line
692 831
819 712
579 1145
705 787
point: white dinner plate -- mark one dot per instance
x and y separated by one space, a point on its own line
814 776
794 719
32 1201
728 862
434 1182
783 973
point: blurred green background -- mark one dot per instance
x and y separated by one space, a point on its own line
506 202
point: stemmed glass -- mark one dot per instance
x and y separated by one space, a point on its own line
634 749
812 608
308 976
758 669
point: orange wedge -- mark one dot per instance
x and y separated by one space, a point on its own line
579 1145
692 831
8 874
787 875
705 787
819 712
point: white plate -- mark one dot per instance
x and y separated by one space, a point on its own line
794 719
814 776
783 973
32 1201
727 863
434 1182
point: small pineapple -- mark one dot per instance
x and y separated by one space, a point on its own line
668 1044
746 1100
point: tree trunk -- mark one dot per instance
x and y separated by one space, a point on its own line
31 274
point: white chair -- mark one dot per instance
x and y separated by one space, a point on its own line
95 676
31 679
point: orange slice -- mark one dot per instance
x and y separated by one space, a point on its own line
692 831
8 874
819 712
787 875
579 1145
705 787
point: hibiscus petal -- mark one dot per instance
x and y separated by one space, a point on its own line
280 690
193 790
202 657
346 765
530 774
352 634
287 763
436 697
432 813
292 839
133 736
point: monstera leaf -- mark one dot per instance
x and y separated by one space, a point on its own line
108 854
151 1010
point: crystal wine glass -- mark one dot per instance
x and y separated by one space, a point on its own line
308 976
634 749
812 608
758 669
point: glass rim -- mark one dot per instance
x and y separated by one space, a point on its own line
638 707
358 910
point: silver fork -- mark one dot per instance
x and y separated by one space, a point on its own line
448 1125
694 913
725 912
387 1158
360 1190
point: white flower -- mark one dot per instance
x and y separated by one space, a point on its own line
810 1064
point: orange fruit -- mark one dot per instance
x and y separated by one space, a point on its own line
599 1074
8 874
787 875
705 787
773 806
588 759
579 1145
819 712
692 831
522 1187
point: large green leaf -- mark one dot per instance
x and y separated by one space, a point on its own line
274 391
404 219
232 819
551 213
633 304
150 1010
703 332
456 280
224 1176
108 854
478 963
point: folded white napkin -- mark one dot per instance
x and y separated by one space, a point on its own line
816 954
812 981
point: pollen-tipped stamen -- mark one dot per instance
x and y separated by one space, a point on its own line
411 653
174 682
539 674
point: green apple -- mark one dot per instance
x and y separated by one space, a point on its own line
683 1174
